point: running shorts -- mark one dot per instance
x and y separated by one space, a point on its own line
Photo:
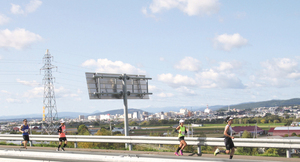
62 139
228 143
181 138
26 137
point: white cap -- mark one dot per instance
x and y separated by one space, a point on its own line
181 121
229 119
62 121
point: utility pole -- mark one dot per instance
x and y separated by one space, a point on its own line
50 115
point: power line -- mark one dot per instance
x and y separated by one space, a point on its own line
20 74
71 80
70 74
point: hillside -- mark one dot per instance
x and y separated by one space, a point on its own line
118 111
271 103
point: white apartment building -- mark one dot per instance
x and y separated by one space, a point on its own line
135 115
81 117
183 111
106 117
93 117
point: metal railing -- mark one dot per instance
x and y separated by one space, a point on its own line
287 144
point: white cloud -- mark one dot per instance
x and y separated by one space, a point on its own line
145 12
108 66
153 88
60 92
29 83
278 72
185 90
222 76
229 66
189 7
12 100
165 95
211 78
227 42
18 38
33 6
189 63
281 67
240 15
5 91
3 19
161 59
37 92
29 8
177 80
16 9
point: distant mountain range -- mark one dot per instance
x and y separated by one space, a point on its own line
177 108
271 103
152 110
118 111
39 116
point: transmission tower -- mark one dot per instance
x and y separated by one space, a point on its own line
50 116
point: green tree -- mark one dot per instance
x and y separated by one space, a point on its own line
83 130
263 121
272 151
294 134
133 123
103 132
246 134
247 150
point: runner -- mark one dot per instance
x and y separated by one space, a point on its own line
182 131
62 135
25 129
228 139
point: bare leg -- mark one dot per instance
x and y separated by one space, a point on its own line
232 152
184 144
25 144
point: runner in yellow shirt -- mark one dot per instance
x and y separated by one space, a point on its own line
181 132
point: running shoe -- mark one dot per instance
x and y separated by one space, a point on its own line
62 149
216 152
181 153
176 154
57 149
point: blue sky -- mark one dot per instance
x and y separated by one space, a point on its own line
198 52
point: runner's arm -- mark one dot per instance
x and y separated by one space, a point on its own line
59 130
20 129
178 129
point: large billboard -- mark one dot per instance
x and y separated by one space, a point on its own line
110 86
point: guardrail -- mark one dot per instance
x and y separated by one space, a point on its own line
287 144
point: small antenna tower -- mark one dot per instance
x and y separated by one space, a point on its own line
50 115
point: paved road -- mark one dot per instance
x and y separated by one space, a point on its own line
14 153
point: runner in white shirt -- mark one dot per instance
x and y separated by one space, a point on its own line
228 139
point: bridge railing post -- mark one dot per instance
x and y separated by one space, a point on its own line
30 143
130 146
288 153
199 150
75 145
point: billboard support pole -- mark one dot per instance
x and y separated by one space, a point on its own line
124 78
114 86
